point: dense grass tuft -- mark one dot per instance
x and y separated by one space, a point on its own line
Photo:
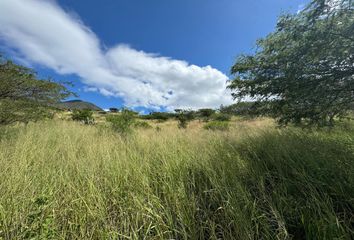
63 180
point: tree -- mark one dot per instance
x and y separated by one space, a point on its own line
302 72
222 117
205 113
114 110
240 109
184 117
24 97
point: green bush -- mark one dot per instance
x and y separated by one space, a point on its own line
123 122
222 117
205 114
160 116
85 116
217 125
184 117
142 124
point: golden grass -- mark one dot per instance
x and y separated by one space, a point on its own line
65 180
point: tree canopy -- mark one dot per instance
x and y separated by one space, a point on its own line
303 71
24 97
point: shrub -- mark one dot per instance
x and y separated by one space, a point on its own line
182 122
160 116
217 125
114 110
205 113
123 122
142 124
183 117
85 116
222 117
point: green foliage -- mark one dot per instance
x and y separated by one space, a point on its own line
25 98
205 113
142 124
302 72
85 116
160 116
123 122
240 109
184 117
222 117
23 111
217 125
39 221
114 110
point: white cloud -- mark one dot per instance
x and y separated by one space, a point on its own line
43 33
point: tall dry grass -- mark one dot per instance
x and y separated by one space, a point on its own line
63 180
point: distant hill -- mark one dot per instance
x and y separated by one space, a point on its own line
77 105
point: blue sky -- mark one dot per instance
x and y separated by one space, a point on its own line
157 54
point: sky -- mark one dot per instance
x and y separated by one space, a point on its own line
148 55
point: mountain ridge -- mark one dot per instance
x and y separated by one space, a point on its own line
77 104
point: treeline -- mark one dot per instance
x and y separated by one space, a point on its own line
224 113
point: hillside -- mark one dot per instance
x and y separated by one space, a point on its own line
77 105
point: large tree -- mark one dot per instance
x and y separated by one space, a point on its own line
24 97
303 71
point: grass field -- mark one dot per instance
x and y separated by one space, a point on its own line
64 180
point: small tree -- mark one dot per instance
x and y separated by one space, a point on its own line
123 122
184 117
114 110
85 116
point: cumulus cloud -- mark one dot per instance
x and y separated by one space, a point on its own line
43 33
